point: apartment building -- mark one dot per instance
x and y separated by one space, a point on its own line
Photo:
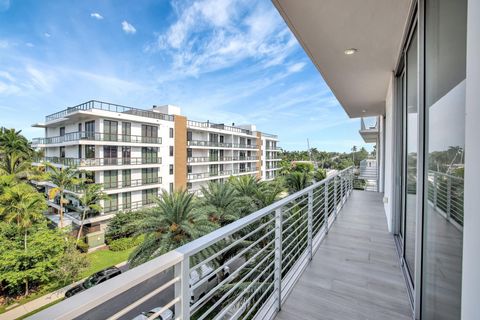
135 154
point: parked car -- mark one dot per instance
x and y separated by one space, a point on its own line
165 315
93 280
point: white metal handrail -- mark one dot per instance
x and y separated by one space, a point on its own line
245 269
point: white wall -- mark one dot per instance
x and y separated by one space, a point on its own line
471 235
388 144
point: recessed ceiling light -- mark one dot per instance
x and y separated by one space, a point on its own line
350 51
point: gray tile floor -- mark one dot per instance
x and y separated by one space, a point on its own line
355 273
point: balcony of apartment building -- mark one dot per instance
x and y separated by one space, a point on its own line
322 253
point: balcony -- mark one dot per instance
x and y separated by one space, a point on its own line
105 106
99 162
219 174
220 126
194 160
223 145
76 137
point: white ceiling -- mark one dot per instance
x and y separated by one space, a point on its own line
325 28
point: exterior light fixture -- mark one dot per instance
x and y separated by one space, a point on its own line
350 51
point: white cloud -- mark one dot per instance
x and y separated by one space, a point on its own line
4 44
128 28
212 35
96 15
29 44
296 67
47 35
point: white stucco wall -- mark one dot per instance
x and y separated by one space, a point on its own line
388 144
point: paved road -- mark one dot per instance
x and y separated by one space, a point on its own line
116 304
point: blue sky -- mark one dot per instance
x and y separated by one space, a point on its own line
219 60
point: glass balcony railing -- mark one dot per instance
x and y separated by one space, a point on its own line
202 143
219 159
244 270
105 106
199 124
96 136
95 162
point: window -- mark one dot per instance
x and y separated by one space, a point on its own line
90 177
89 151
111 204
189 169
149 175
222 139
213 155
110 155
62 131
171 187
189 135
149 133
127 200
126 152
189 152
90 129
126 131
171 151
149 195
170 131
110 130
149 155
171 169
213 170
126 178
62 152
80 127
110 179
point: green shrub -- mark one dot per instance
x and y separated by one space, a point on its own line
82 246
123 225
125 243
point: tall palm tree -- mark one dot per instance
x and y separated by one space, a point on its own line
297 181
173 222
222 204
23 205
245 185
64 178
268 193
354 150
89 199
14 163
12 141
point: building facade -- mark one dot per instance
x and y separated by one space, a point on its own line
135 154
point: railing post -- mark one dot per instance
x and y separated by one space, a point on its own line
449 196
342 186
310 224
325 212
335 197
182 289
278 256
435 190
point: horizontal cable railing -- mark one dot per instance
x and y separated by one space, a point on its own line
94 162
100 105
244 270
97 136
445 193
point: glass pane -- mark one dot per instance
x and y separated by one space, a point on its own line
445 69
411 155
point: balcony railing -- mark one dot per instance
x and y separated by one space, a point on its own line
445 193
96 136
95 162
205 175
245 269
202 143
222 126
273 149
219 159
94 104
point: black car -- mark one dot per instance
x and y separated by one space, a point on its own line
93 280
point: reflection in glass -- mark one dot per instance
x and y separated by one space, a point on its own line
411 155
445 55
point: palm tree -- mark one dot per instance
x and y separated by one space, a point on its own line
173 222
297 181
268 193
22 205
245 185
12 141
354 149
222 204
89 199
14 163
64 178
